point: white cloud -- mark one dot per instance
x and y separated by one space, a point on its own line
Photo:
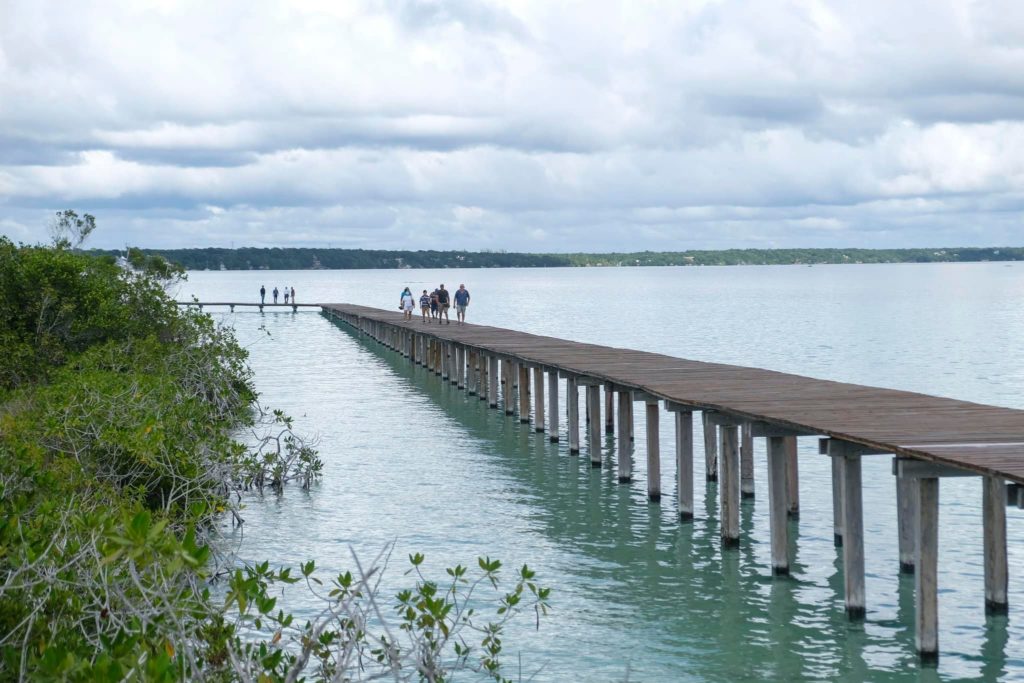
645 125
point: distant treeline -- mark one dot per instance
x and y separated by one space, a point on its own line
289 258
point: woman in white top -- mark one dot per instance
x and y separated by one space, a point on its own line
408 303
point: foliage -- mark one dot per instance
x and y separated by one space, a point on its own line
119 458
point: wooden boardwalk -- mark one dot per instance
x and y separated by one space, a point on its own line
932 437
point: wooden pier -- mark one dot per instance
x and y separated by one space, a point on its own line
231 304
930 437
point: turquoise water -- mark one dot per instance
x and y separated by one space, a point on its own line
411 460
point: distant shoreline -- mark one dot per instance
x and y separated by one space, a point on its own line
294 258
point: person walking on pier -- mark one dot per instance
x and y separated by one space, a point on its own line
425 305
461 301
408 304
263 295
293 296
286 295
433 303
443 303
275 294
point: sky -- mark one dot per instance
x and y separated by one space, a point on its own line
523 125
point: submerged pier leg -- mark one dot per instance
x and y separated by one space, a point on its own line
853 536
471 375
926 566
482 360
778 509
524 394
746 460
996 568
729 485
837 502
572 399
653 451
553 405
508 393
594 412
492 376
792 476
609 409
538 399
625 460
710 447
906 521
445 363
460 367
684 463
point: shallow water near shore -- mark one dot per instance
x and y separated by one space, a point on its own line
411 460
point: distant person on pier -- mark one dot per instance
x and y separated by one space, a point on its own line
275 295
408 303
461 301
433 303
425 305
293 296
443 304
286 295
263 295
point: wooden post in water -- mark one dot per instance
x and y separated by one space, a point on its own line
524 394
609 410
746 461
460 367
906 521
837 502
492 374
729 485
553 405
538 399
778 465
625 459
471 374
508 394
572 399
653 451
792 476
684 462
445 363
848 458
710 447
926 568
594 411
996 568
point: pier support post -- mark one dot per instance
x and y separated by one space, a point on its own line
853 528
460 367
524 394
710 447
837 502
684 463
625 460
553 405
492 375
507 393
445 362
996 568
729 485
778 466
609 410
792 476
926 596
594 412
653 451
906 521
572 399
538 399
746 460
481 377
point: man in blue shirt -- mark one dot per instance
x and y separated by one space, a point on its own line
461 301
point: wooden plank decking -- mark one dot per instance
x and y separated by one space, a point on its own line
981 438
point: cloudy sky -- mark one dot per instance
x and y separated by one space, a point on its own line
522 125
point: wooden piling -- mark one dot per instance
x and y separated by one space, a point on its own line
684 463
492 374
572 399
710 447
792 476
853 536
729 485
508 393
482 379
524 394
996 567
609 410
746 461
625 459
594 412
837 502
538 399
906 521
778 508
926 567
553 405
653 451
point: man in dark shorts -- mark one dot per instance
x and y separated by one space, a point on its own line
433 303
443 303
461 301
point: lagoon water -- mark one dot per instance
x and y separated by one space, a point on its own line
638 595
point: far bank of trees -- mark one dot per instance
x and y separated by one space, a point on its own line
289 258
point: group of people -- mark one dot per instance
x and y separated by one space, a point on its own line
436 304
287 292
